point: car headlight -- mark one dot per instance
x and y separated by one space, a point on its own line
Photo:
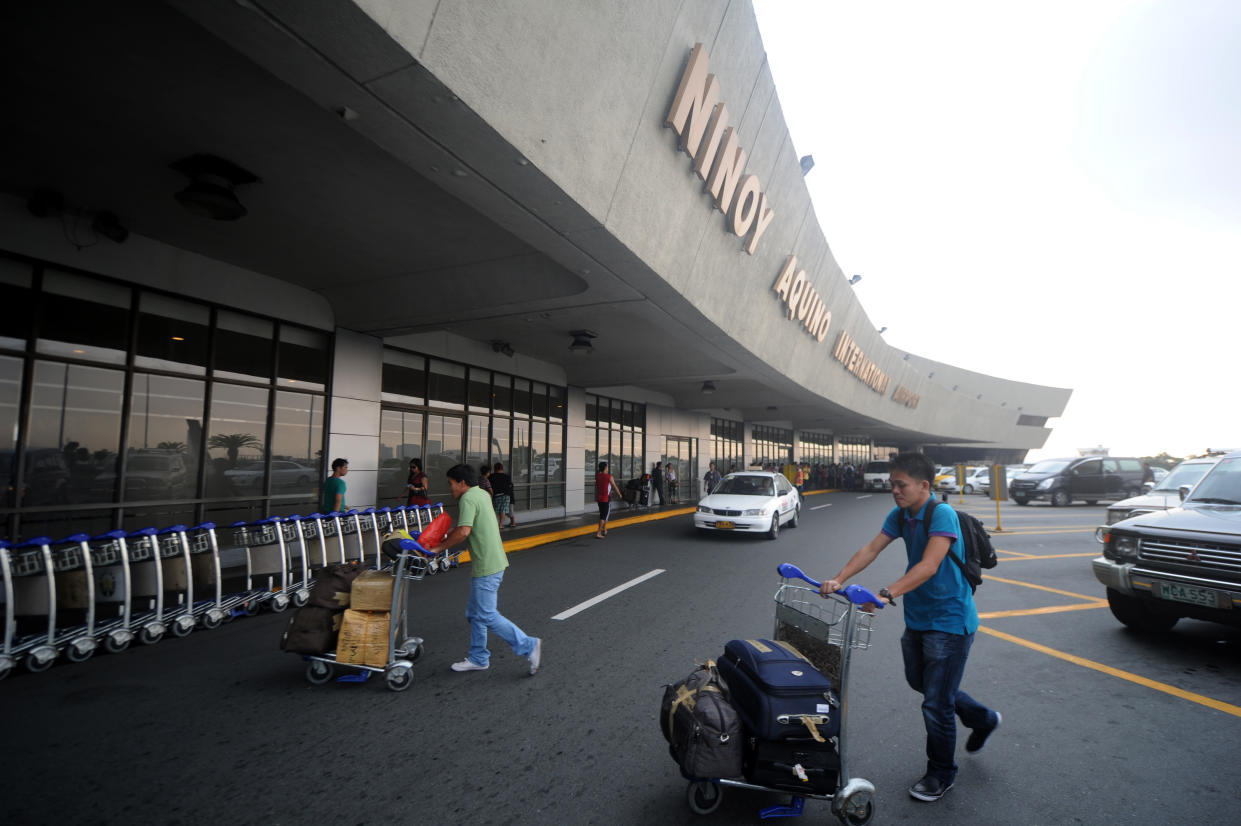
1120 547
756 512
1047 484
703 509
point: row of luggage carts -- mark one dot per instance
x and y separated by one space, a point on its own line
74 595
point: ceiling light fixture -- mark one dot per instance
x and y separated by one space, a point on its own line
582 342
504 347
210 191
855 279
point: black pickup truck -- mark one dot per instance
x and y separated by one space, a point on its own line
1183 562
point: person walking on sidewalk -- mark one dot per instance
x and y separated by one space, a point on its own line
604 485
657 484
710 479
670 475
940 618
334 487
502 493
487 563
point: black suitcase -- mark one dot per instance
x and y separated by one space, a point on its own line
777 692
794 765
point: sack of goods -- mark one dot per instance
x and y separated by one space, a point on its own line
363 638
701 726
332 585
777 692
311 630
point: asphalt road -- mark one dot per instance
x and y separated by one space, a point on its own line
1100 725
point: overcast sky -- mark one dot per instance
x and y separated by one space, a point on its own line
1045 192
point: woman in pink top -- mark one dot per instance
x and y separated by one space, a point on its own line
604 485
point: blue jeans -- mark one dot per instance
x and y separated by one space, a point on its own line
934 664
482 615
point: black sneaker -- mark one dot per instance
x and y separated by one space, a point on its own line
978 737
929 789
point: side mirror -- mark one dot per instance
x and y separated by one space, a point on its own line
1147 487
1183 490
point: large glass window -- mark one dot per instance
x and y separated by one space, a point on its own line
297 464
303 358
243 347
165 435
73 435
172 335
443 451
446 385
236 440
476 452
84 318
17 301
400 439
404 377
10 395
614 434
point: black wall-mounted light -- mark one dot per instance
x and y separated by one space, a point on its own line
210 191
504 347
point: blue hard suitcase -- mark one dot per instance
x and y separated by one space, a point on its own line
777 692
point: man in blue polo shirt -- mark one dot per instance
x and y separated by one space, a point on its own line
940 618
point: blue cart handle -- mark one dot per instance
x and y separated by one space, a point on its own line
855 593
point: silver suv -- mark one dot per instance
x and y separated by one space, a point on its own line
1166 493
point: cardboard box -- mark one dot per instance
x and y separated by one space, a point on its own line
371 591
363 638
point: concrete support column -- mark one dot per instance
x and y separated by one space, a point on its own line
357 369
575 451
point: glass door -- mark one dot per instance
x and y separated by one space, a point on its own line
444 448
681 456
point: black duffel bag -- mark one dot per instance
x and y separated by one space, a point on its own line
701 726
332 585
311 630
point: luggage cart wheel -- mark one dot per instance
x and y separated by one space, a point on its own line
301 598
857 809
212 619
40 659
703 796
6 665
253 607
399 679
79 651
150 634
183 627
279 603
318 672
432 568
117 642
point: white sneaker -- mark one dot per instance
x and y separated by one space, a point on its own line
468 665
536 655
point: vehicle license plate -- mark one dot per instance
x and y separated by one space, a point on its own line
1190 594
724 525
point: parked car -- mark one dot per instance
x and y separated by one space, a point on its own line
755 502
1089 478
949 485
875 476
285 475
1181 562
1009 472
149 474
1166 493
943 472
1159 473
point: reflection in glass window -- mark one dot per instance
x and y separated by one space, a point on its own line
84 318
243 347
172 334
404 377
296 443
521 452
555 453
538 451
556 403
73 435
303 358
476 444
165 436
446 385
400 439
443 451
17 301
10 395
480 390
502 394
235 440
521 397
501 444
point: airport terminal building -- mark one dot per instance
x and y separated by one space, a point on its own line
240 239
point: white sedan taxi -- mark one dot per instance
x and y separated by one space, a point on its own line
753 502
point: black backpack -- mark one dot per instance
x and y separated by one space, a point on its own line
979 553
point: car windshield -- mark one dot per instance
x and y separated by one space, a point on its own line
149 462
1049 466
1183 474
877 467
1222 486
746 486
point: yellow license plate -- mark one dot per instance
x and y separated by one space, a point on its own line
725 525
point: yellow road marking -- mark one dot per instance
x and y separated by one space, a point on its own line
1050 609
1200 699
1040 587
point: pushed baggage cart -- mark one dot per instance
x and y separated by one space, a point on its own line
824 631
401 649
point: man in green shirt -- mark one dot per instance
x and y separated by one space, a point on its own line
478 529
334 487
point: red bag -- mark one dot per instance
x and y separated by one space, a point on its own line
435 532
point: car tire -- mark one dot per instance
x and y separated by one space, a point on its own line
1060 499
774 531
1092 501
969 489
1139 615
1021 500
796 515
